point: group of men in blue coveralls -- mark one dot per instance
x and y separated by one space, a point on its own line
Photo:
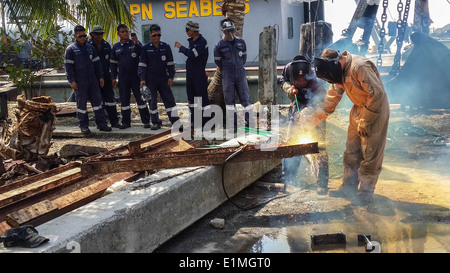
92 69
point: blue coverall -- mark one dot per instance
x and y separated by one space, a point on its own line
307 96
196 80
124 62
230 57
83 66
156 67
107 91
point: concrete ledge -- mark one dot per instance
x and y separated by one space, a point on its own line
142 216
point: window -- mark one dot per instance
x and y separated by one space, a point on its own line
290 28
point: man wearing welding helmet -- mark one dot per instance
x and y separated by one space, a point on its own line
358 77
306 92
230 55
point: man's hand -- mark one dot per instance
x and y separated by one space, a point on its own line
177 45
310 116
74 85
363 128
304 115
170 82
367 118
287 88
142 83
114 83
102 82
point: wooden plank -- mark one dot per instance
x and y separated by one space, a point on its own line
25 215
193 158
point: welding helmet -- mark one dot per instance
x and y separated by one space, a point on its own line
146 94
228 26
299 68
329 69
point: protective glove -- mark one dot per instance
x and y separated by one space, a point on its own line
310 117
363 128
287 88
294 91
365 122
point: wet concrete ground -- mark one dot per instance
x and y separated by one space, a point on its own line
410 212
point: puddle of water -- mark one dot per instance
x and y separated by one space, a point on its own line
270 243
392 237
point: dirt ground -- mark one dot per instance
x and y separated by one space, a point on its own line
410 212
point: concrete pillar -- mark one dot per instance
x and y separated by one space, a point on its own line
314 38
267 77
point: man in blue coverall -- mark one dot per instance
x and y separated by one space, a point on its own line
103 49
84 73
230 55
196 80
124 62
156 71
306 92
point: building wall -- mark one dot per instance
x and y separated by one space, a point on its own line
173 15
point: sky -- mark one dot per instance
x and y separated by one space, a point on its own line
340 12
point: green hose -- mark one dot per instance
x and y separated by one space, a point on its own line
255 131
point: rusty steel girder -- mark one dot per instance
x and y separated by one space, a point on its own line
191 158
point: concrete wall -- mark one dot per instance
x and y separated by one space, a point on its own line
172 16
57 87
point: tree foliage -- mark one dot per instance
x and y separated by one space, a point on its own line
27 14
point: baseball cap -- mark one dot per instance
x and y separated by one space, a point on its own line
24 236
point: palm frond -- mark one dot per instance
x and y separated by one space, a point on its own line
31 15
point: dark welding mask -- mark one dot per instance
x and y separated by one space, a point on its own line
328 69
299 69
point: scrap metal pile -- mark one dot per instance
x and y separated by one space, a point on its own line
39 198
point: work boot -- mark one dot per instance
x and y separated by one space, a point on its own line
147 126
322 190
85 131
364 198
156 126
124 126
105 128
344 191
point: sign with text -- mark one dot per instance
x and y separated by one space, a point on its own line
181 9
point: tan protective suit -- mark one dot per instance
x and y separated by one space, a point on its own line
369 115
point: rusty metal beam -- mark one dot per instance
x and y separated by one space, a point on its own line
191 158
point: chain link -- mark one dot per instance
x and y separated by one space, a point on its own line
382 33
401 27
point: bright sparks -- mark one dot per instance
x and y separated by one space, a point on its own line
305 140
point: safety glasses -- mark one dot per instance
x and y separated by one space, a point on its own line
156 35
82 36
